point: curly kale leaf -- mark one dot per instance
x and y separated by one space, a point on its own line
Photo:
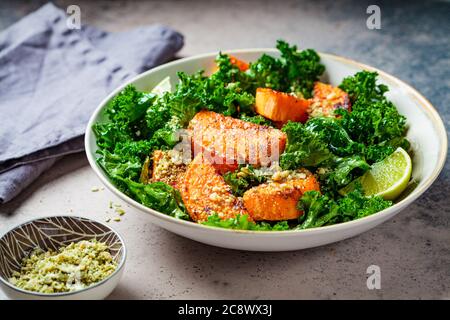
196 92
243 179
322 142
258 119
363 86
241 222
355 205
373 119
266 72
295 71
158 196
138 125
320 210
378 152
301 68
305 148
127 112
317 210
125 141
117 166
345 146
331 130
373 123
339 172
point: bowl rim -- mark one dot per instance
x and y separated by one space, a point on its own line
120 265
432 113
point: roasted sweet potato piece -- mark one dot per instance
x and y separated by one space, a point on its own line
276 201
280 106
326 99
231 141
242 65
205 192
167 167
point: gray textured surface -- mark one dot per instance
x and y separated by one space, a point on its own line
412 249
36 54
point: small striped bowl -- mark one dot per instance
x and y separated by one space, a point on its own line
53 233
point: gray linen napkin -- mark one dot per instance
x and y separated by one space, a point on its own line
51 80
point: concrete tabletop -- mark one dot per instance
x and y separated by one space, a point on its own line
412 249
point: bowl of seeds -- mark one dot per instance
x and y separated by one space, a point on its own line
61 257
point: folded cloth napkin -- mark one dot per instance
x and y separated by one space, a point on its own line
51 80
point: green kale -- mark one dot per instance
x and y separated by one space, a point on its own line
244 178
108 134
228 72
373 123
241 222
118 167
167 136
355 205
258 119
295 71
159 113
196 92
138 125
378 152
320 143
330 130
125 142
320 210
345 146
266 72
339 172
127 111
363 86
373 119
317 210
302 68
305 148
158 196
121 151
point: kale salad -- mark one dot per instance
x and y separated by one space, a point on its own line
341 151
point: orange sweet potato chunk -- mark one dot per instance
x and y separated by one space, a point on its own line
205 192
276 201
326 99
234 141
280 106
242 65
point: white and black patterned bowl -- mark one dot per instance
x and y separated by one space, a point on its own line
53 233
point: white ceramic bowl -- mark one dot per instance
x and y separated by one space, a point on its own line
51 233
426 132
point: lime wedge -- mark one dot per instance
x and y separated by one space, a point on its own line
387 178
162 87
